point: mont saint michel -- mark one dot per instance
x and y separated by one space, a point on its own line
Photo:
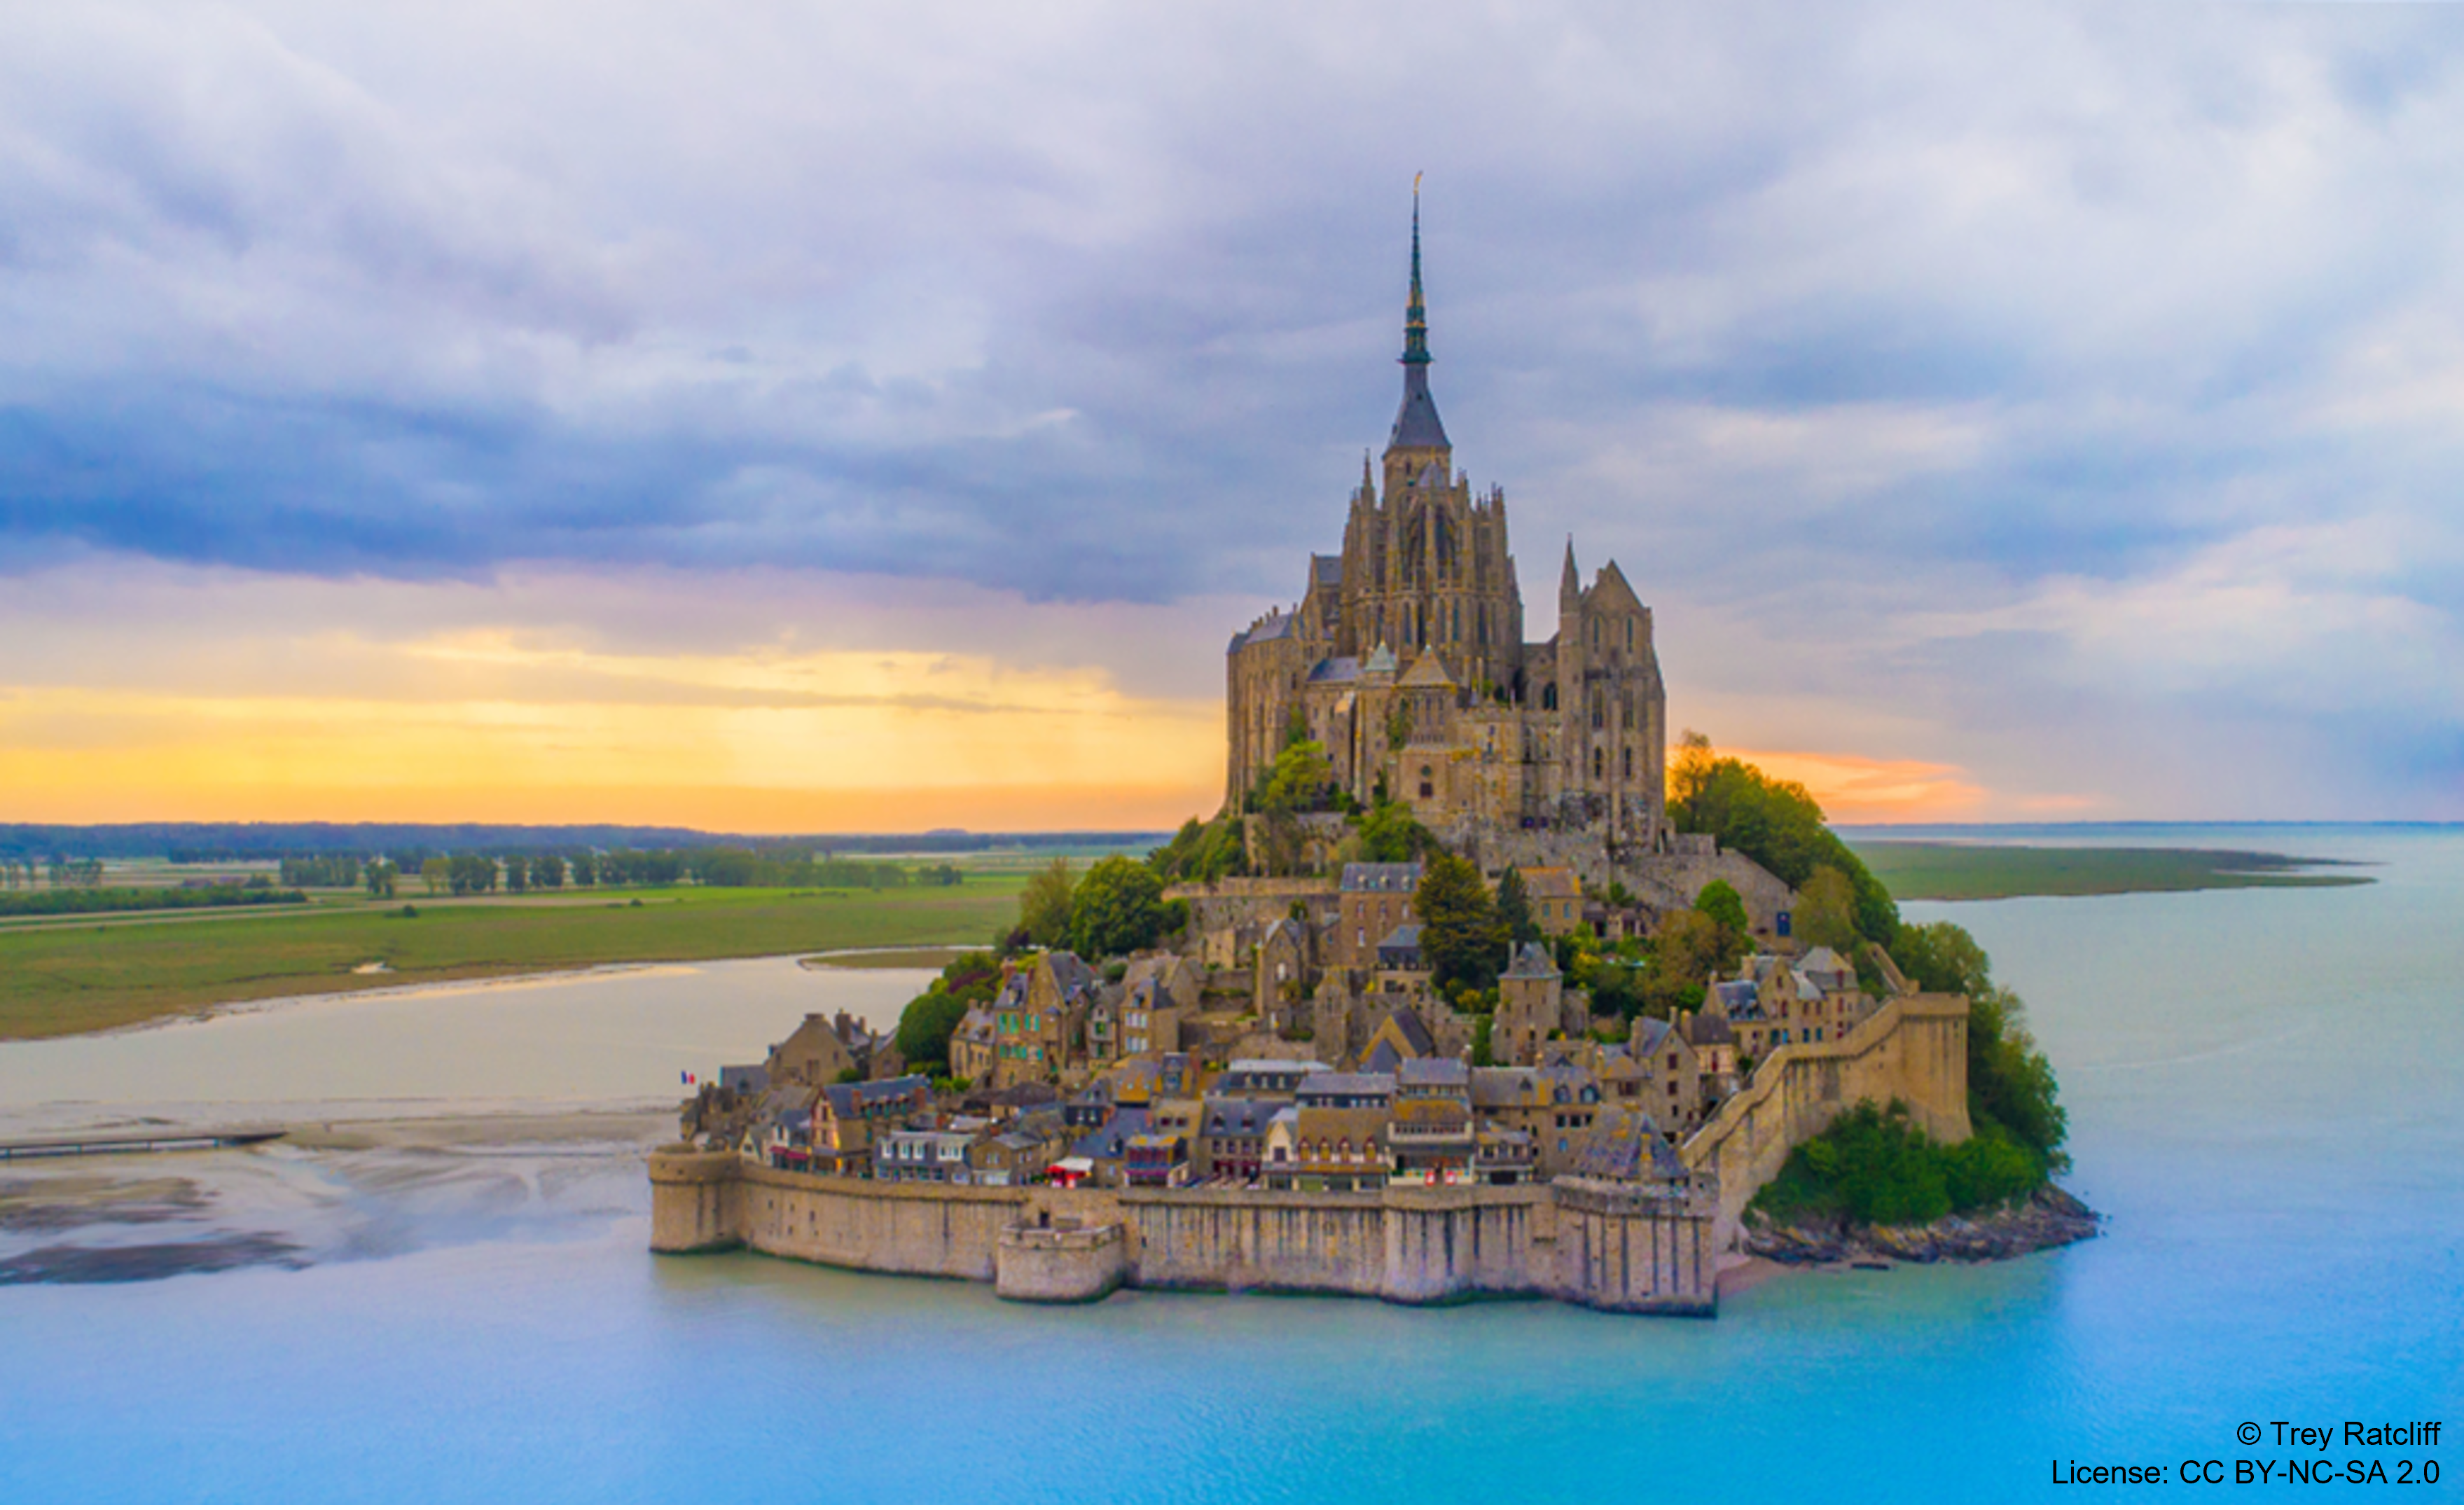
1450 998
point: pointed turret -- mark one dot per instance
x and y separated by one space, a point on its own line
1569 582
1417 426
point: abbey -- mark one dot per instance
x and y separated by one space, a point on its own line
1405 658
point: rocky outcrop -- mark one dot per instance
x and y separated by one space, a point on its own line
2050 1218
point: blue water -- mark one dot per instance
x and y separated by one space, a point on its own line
2263 1090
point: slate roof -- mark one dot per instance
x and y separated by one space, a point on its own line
1236 1119
745 1080
1625 1144
1436 1072
1362 875
1415 1033
1328 1083
864 1098
1335 669
1383 1060
1327 571
1428 669
1532 962
1109 1140
1648 1032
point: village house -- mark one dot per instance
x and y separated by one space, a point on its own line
811 1056
1231 1138
927 1155
972 1046
1333 1137
1556 896
1431 1132
1039 1018
1373 902
849 1115
1282 975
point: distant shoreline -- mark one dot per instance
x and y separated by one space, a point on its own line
1948 870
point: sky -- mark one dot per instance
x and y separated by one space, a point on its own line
821 417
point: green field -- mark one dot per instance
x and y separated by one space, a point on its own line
83 978
1937 872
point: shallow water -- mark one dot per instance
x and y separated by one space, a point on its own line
2262 1088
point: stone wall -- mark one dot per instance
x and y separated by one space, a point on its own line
1628 1252
1914 1049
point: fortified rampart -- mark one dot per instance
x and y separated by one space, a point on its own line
1613 1248
1913 1050
1638 1248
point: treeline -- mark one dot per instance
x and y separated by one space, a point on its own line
469 874
59 870
135 899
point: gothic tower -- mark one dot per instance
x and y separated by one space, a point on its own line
1425 564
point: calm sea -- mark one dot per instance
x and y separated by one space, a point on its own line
2264 1096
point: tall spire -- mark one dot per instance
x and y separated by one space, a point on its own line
1416 424
1415 314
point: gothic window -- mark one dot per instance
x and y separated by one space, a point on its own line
1598 767
1548 697
1457 623
1599 712
1428 783
1629 634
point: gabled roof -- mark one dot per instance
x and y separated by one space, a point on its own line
1433 1072
1334 1083
1223 1117
1647 1034
1381 663
1383 1060
1108 1141
1414 1031
1406 936
1625 1144
1532 962
1428 670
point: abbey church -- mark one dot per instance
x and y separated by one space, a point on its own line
1405 658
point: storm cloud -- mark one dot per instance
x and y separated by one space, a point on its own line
2067 394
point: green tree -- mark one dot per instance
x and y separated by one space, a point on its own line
379 877
437 873
586 869
925 1026
1688 948
1201 852
1777 824
1514 908
1119 908
1301 780
1826 910
547 872
1044 907
1390 835
1462 939
1942 956
2011 1083
1720 902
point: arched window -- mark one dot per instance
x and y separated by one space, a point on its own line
1548 697
1599 713
1628 633
1428 783
1598 770
1457 623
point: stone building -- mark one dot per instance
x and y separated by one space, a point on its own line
1405 658
1531 1007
